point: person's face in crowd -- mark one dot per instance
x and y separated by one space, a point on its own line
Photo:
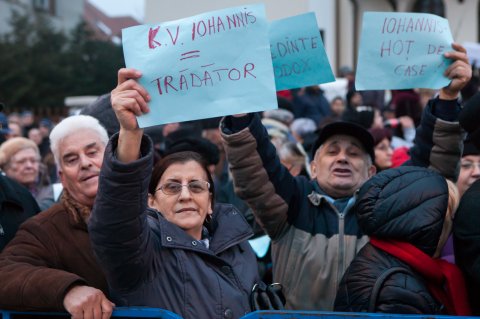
27 119
341 166
383 154
44 131
337 106
184 206
81 156
356 99
34 135
169 128
24 166
469 172
14 118
16 130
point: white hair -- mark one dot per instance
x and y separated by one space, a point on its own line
74 124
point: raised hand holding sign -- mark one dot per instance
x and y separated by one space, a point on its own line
213 64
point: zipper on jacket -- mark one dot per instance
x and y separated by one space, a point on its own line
341 247
2 232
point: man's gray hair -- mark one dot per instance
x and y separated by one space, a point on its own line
74 124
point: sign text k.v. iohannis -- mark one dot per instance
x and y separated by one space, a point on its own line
298 55
402 51
209 65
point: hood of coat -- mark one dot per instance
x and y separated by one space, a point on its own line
406 204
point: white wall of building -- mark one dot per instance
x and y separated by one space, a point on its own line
166 10
340 20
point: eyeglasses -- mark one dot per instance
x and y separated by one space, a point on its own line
467 165
174 188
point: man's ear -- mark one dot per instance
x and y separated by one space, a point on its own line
372 170
62 178
313 169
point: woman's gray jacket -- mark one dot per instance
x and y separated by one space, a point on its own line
151 262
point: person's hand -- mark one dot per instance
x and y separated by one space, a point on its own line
84 302
460 72
240 115
129 99
406 121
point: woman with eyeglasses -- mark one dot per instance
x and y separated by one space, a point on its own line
20 160
159 236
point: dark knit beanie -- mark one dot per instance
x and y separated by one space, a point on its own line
469 147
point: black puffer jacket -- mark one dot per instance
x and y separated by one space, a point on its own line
406 204
466 239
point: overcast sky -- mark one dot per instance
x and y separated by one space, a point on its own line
115 8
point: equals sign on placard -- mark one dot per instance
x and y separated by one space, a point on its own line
190 54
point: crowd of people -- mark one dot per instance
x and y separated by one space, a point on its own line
368 203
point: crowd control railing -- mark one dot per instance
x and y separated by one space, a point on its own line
118 313
140 312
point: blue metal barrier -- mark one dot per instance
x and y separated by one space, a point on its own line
140 312
287 314
119 312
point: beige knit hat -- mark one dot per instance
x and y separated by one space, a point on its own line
12 146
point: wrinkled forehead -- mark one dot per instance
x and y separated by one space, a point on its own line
80 141
343 140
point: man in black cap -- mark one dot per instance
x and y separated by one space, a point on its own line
314 233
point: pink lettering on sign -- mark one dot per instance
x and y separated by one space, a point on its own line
412 24
292 46
186 81
410 70
152 33
217 24
294 68
190 55
399 47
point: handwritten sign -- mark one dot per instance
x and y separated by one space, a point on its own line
209 65
403 50
298 55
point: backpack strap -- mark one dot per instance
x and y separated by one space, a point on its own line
379 284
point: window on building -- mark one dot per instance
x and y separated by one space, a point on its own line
430 6
104 28
47 6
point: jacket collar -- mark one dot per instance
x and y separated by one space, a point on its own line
318 195
228 228
8 193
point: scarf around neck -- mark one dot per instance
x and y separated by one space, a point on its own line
443 279
79 212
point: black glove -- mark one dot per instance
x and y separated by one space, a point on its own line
265 297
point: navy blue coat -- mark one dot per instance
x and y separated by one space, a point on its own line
149 261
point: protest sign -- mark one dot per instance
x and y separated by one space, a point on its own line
298 55
209 65
402 51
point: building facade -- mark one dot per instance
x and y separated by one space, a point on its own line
64 15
